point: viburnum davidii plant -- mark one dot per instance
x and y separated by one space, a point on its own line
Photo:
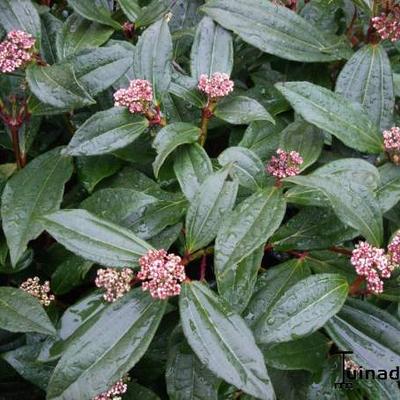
200 199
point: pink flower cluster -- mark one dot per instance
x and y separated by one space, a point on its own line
114 393
115 282
218 85
391 139
15 51
137 97
285 164
350 365
388 25
41 292
373 264
162 273
394 249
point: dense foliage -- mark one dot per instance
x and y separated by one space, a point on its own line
199 198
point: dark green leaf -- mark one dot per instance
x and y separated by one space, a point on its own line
348 121
191 166
306 353
152 12
388 192
108 348
305 139
30 194
78 34
50 29
222 341
241 232
187 378
131 8
371 333
21 312
20 14
95 239
241 110
153 57
107 131
92 170
310 229
247 167
303 309
98 11
58 86
214 199
353 204
271 286
212 49
169 138
367 79
276 30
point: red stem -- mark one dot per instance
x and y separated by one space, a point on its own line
203 267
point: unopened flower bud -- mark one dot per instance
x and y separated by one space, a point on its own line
161 273
115 392
388 25
137 97
218 85
287 163
116 282
41 292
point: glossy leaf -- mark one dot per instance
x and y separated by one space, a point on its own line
20 14
247 167
95 239
367 79
191 166
131 8
98 12
388 192
241 233
21 312
276 30
271 286
371 333
211 204
153 57
241 110
107 349
353 204
303 309
212 50
33 192
106 131
335 114
222 341
169 138
57 86
79 34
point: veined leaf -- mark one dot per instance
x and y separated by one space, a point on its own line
95 239
276 30
335 114
222 341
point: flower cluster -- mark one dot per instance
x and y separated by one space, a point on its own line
373 264
350 365
162 273
388 25
114 393
41 292
137 97
115 282
391 139
16 51
394 249
218 85
285 164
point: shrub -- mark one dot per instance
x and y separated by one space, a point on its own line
199 199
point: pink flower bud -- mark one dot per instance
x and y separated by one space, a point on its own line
373 264
392 139
137 97
394 249
41 292
286 164
116 282
161 273
219 85
16 51
116 390
388 25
